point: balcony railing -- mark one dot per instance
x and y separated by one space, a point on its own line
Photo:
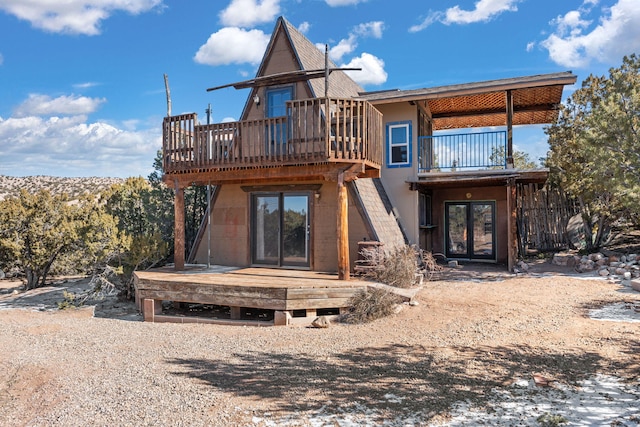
315 130
483 150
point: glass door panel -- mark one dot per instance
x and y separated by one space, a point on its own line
295 236
457 231
483 229
266 230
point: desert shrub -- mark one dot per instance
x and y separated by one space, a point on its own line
370 304
428 264
398 268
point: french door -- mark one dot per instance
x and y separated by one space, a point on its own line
280 229
470 230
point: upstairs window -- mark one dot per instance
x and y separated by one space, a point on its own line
398 144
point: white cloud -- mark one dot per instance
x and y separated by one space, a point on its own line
44 105
73 16
344 47
372 70
575 43
304 27
247 13
85 85
370 29
68 146
233 45
348 45
336 3
485 10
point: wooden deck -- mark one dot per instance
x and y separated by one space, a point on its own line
283 291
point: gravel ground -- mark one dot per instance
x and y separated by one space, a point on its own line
466 346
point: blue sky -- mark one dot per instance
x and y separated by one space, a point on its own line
82 88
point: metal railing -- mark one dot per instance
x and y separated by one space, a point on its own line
314 130
452 152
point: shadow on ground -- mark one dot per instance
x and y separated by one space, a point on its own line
404 380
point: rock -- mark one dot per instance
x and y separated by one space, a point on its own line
523 266
575 231
604 272
632 257
620 271
2 275
627 275
413 303
321 322
453 264
635 284
561 259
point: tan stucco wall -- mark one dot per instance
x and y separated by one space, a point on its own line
497 194
230 240
229 231
395 179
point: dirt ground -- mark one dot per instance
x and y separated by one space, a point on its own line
475 330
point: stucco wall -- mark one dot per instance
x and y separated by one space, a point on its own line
403 199
229 231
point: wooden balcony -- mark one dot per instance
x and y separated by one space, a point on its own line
320 131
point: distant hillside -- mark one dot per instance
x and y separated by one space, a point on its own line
10 185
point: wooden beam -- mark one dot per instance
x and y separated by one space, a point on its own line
179 232
253 175
343 230
509 100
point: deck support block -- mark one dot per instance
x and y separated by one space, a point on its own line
236 313
151 307
282 318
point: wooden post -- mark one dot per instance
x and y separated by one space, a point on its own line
512 236
509 129
343 229
179 233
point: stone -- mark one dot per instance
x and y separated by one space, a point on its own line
604 272
413 303
452 263
627 275
635 284
575 232
632 257
321 322
620 271
523 266
561 259
2 275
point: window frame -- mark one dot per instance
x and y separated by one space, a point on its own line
390 127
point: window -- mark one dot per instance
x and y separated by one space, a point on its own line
399 144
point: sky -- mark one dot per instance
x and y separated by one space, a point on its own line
82 90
